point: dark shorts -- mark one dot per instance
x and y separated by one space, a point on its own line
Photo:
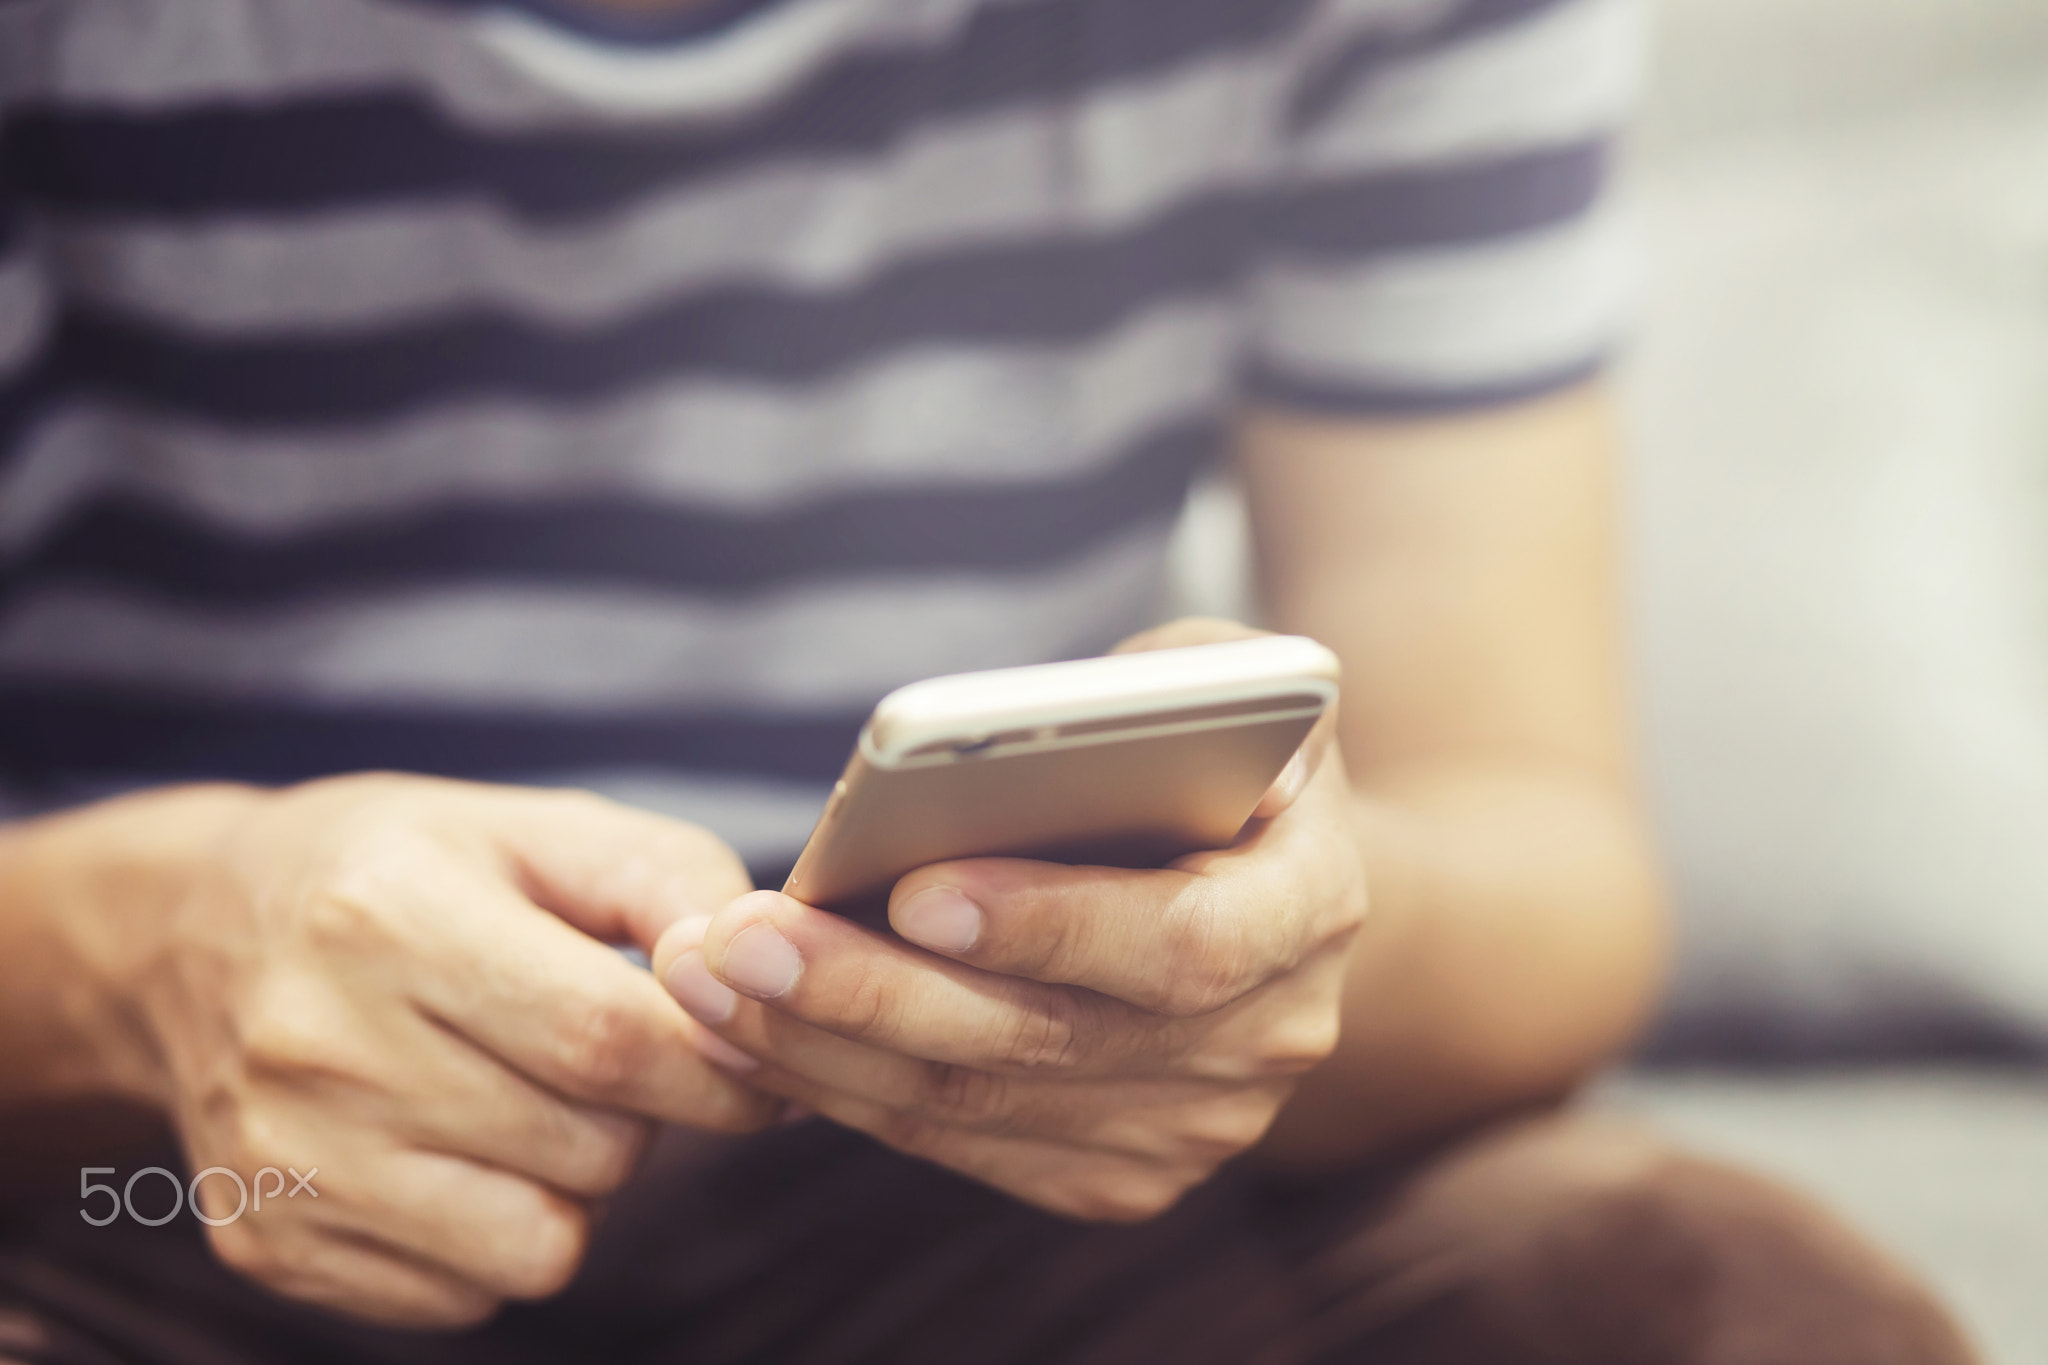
1552 1239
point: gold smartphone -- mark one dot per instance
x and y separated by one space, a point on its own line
1130 760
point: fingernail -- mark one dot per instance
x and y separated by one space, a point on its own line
709 1000
761 962
721 1053
940 919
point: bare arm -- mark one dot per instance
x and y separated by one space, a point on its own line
1465 571
64 927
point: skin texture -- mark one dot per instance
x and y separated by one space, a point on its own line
1448 910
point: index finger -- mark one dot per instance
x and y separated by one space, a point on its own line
1182 941
827 972
566 1010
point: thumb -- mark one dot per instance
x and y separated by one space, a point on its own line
615 872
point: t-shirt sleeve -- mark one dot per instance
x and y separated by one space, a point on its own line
1441 235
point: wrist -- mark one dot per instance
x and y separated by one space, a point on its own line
90 899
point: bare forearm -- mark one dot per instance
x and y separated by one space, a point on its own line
1466 570
79 893
1513 945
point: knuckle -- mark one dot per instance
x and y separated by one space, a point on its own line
967 1095
870 1010
358 898
910 1133
1209 962
604 1048
1047 1036
1277 1052
1044 944
607 1157
1300 1043
253 1135
346 910
549 1255
1214 1133
282 1036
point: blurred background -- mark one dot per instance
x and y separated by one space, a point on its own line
1839 503
1840 401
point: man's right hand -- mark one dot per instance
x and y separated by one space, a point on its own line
405 983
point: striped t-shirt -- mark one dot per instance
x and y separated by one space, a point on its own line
508 391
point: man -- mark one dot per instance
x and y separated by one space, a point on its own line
624 395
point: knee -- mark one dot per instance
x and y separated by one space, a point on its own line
1587 1244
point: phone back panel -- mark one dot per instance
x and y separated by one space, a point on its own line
1126 802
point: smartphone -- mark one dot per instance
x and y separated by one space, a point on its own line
1130 760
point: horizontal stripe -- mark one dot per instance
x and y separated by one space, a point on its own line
828 646
302 154
713 76
1042 293
1449 322
1345 51
1441 206
950 528
1100 164
390 268
764 819
1061 291
112 54
1564 74
996 415
69 732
